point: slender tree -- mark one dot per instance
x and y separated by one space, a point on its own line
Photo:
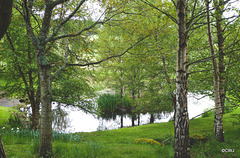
218 120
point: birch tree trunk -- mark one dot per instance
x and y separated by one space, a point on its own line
218 120
181 122
219 13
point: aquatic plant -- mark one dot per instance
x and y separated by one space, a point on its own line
109 103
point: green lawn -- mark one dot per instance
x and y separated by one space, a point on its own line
121 143
4 115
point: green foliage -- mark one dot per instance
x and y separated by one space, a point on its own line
73 90
18 119
15 121
237 119
228 107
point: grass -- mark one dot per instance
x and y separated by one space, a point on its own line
4 115
121 143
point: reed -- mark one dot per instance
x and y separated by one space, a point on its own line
109 102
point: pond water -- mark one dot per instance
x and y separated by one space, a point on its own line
76 120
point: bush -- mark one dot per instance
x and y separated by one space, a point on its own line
148 141
15 121
18 118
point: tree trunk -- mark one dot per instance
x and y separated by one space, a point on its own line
219 78
219 20
181 122
169 83
152 118
133 118
35 119
134 99
121 121
5 15
2 151
45 149
138 119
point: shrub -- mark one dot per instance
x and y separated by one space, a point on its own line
148 141
15 121
18 118
197 138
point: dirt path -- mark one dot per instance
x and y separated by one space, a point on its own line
8 102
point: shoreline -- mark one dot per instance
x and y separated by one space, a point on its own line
7 102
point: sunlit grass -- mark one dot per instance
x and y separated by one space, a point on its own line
120 143
5 114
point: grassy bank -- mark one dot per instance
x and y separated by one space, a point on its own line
4 116
125 143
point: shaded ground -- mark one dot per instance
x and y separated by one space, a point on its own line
9 102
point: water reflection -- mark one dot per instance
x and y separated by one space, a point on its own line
73 119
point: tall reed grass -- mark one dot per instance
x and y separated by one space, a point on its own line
109 102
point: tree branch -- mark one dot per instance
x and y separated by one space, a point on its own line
153 6
64 64
113 56
56 30
53 38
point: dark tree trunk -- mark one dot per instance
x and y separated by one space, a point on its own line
2 151
37 103
181 122
5 15
138 119
134 98
121 121
133 118
152 118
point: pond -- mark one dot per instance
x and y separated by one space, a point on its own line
76 120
